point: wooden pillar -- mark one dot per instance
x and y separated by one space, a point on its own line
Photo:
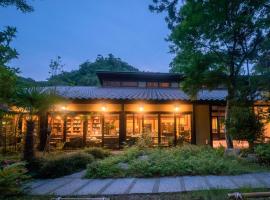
133 123
65 129
193 125
43 130
159 129
210 122
102 130
174 129
85 129
122 126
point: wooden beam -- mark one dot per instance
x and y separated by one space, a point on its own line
210 122
65 129
193 126
159 129
85 129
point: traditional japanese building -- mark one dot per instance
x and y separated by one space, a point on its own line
129 104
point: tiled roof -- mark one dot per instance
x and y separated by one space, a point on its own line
129 93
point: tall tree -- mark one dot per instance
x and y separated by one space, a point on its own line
216 41
36 101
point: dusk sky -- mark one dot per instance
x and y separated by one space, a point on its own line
79 30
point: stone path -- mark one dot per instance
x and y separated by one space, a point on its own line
76 185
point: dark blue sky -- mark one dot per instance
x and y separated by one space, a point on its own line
79 30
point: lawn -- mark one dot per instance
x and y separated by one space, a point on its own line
177 161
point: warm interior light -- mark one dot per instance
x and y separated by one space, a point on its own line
63 107
176 108
103 108
141 108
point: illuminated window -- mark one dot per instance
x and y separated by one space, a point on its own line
167 129
164 85
130 84
152 84
150 126
183 128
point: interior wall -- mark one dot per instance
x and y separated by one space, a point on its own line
202 124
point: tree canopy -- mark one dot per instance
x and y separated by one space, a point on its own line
86 74
217 42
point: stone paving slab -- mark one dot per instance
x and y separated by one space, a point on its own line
170 184
119 186
50 186
75 185
220 182
264 178
246 180
143 185
71 187
195 183
35 183
94 187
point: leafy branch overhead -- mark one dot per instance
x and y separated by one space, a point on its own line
21 5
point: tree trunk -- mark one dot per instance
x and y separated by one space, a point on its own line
228 138
43 131
29 153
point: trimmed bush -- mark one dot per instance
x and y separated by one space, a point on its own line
98 153
263 153
177 161
74 143
11 179
62 165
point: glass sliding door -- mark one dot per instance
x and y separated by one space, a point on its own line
94 130
167 129
134 127
150 127
111 130
183 128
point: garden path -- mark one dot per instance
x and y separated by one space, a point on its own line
75 185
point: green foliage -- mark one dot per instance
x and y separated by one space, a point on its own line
7 75
98 153
263 153
61 165
216 42
21 5
86 75
11 179
7 53
74 143
7 85
244 124
145 141
37 99
177 161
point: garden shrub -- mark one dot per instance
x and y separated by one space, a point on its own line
145 141
11 179
64 164
97 152
74 143
263 153
177 161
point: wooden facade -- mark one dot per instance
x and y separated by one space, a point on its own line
129 105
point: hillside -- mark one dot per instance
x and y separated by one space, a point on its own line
86 74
